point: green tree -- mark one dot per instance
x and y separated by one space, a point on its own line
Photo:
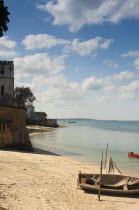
23 95
3 18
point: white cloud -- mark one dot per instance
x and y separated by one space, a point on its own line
124 76
38 64
102 99
130 91
5 54
111 63
92 83
131 54
40 41
55 81
6 43
63 96
58 91
55 90
7 47
59 97
106 84
77 13
87 47
136 63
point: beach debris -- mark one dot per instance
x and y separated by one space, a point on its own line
2 196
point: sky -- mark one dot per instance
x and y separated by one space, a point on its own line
80 58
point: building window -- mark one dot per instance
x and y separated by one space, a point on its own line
2 90
11 67
2 69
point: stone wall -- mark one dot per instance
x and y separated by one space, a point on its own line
13 131
46 122
52 123
5 133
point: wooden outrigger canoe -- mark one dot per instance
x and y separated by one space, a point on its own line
110 184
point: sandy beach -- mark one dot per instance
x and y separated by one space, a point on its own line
38 181
36 129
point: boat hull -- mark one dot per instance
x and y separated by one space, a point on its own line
87 187
120 191
131 154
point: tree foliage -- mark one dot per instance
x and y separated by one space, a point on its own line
3 18
23 95
43 114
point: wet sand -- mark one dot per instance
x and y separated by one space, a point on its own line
36 129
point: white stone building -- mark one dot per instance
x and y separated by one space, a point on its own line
6 82
30 111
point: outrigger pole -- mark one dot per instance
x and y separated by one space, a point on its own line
99 192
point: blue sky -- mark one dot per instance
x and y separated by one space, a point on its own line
80 58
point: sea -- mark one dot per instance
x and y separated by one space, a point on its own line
85 139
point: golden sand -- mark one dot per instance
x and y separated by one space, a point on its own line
49 182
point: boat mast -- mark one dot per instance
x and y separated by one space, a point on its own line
106 155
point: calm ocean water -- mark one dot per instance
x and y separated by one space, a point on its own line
86 139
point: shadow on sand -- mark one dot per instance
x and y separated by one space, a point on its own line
35 151
113 195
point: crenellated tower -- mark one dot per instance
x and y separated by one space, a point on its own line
6 82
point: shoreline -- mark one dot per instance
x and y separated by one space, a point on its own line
37 130
46 181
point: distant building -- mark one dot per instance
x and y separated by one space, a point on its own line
40 118
7 82
30 111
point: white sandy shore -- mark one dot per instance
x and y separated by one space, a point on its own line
36 129
46 182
